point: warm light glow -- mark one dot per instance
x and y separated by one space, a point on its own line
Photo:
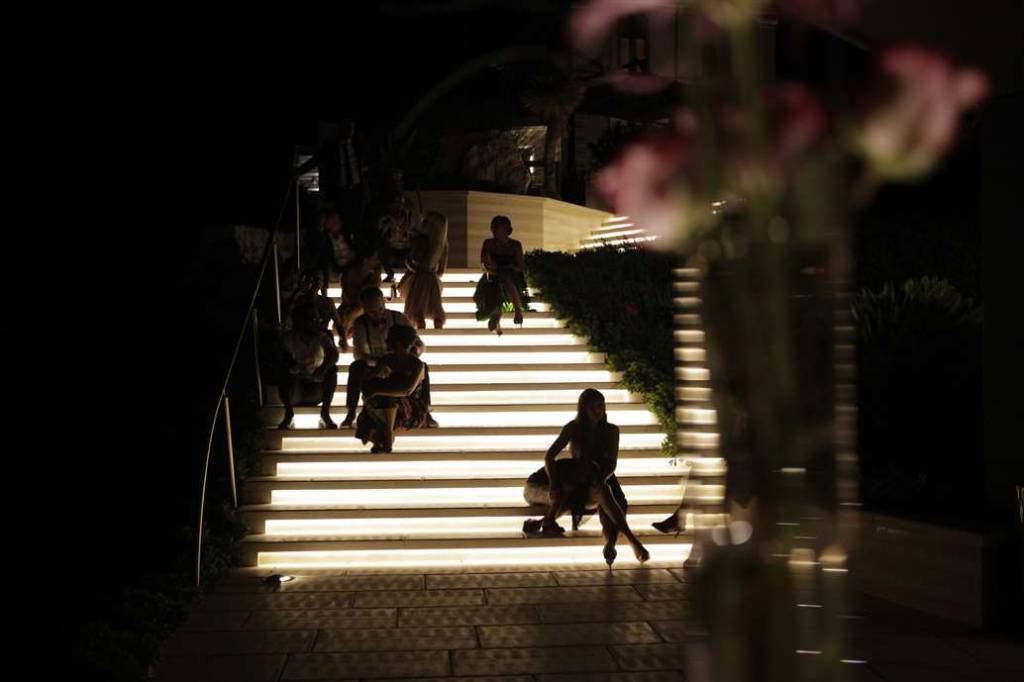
688 336
610 233
430 527
464 306
617 242
494 417
693 415
523 466
689 354
511 376
461 496
530 321
512 337
544 396
686 301
696 439
693 394
693 374
532 553
411 441
500 357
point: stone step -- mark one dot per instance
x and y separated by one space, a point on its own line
630 414
541 356
504 394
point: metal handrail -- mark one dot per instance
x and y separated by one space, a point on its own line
269 253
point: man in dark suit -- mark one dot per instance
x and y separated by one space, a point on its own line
343 172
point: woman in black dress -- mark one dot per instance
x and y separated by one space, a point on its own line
393 398
503 283
586 481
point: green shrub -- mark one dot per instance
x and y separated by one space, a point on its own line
919 400
621 300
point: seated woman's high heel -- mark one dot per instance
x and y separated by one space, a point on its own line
610 553
518 318
641 553
672 524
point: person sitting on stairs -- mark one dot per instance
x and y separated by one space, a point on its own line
393 393
307 367
585 481
369 344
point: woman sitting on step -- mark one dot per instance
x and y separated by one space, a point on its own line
393 396
503 284
584 482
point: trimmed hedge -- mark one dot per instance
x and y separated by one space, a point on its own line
919 395
621 300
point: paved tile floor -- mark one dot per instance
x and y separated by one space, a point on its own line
550 624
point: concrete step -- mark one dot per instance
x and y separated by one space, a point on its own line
450 439
580 548
493 464
511 373
453 492
290 520
504 394
629 414
511 354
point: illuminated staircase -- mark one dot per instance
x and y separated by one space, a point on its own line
617 231
452 496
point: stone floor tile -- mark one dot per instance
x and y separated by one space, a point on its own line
663 592
993 650
647 676
683 575
489 678
610 612
199 621
536 661
241 642
481 580
253 668
562 595
335 619
678 630
353 583
367 665
274 601
651 656
562 634
467 615
419 598
909 649
422 639
905 672
639 576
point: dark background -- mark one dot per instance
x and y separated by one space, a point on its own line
188 123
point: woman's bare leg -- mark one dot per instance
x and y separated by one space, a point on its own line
611 507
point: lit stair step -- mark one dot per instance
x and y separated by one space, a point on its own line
614 232
276 519
617 242
416 465
513 336
506 355
443 492
503 394
594 372
582 550
464 305
654 464
536 438
635 414
467 320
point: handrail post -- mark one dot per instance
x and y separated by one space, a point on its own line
231 452
256 355
277 285
298 238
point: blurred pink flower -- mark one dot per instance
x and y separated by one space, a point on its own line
648 183
836 12
796 120
904 136
732 13
593 21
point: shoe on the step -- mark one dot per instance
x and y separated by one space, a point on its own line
672 524
431 422
327 423
532 526
287 423
346 423
518 318
609 553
